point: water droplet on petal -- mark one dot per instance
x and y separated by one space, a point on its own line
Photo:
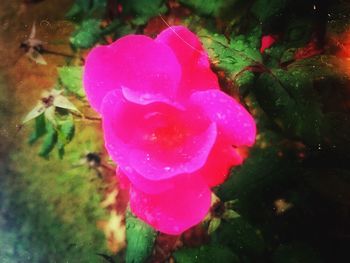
167 168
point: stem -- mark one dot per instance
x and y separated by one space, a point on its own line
84 117
57 53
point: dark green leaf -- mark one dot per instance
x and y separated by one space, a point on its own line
235 56
265 9
262 168
258 183
87 34
244 81
86 9
71 79
298 32
288 98
287 55
39 129
67 128
241 237
205 7
140 240
143 10
296 253
206 254
49 141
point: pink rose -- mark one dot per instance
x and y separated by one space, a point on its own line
166 124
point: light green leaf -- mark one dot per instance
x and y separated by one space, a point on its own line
50 115
214 224
35 112
230 214
62 102
71 79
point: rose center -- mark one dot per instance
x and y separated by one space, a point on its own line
165 131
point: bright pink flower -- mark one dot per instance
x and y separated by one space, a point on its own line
166 124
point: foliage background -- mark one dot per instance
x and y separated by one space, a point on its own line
289 202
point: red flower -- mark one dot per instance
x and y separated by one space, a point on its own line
171 130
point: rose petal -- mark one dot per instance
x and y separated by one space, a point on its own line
134 61
196 72
157 140
147 98
220 160
123 180
144 184
186 158
176 210
233 120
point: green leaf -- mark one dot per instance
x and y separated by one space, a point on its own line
87 34
143 10
205 7
39 129
140 240
241 237
65 129
86 9
230 214
206 254
265 9
49 141
62 102
245 82
213 225
50 115
71 79
288 55
289 99
296 253
236 55
298 32
229 10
